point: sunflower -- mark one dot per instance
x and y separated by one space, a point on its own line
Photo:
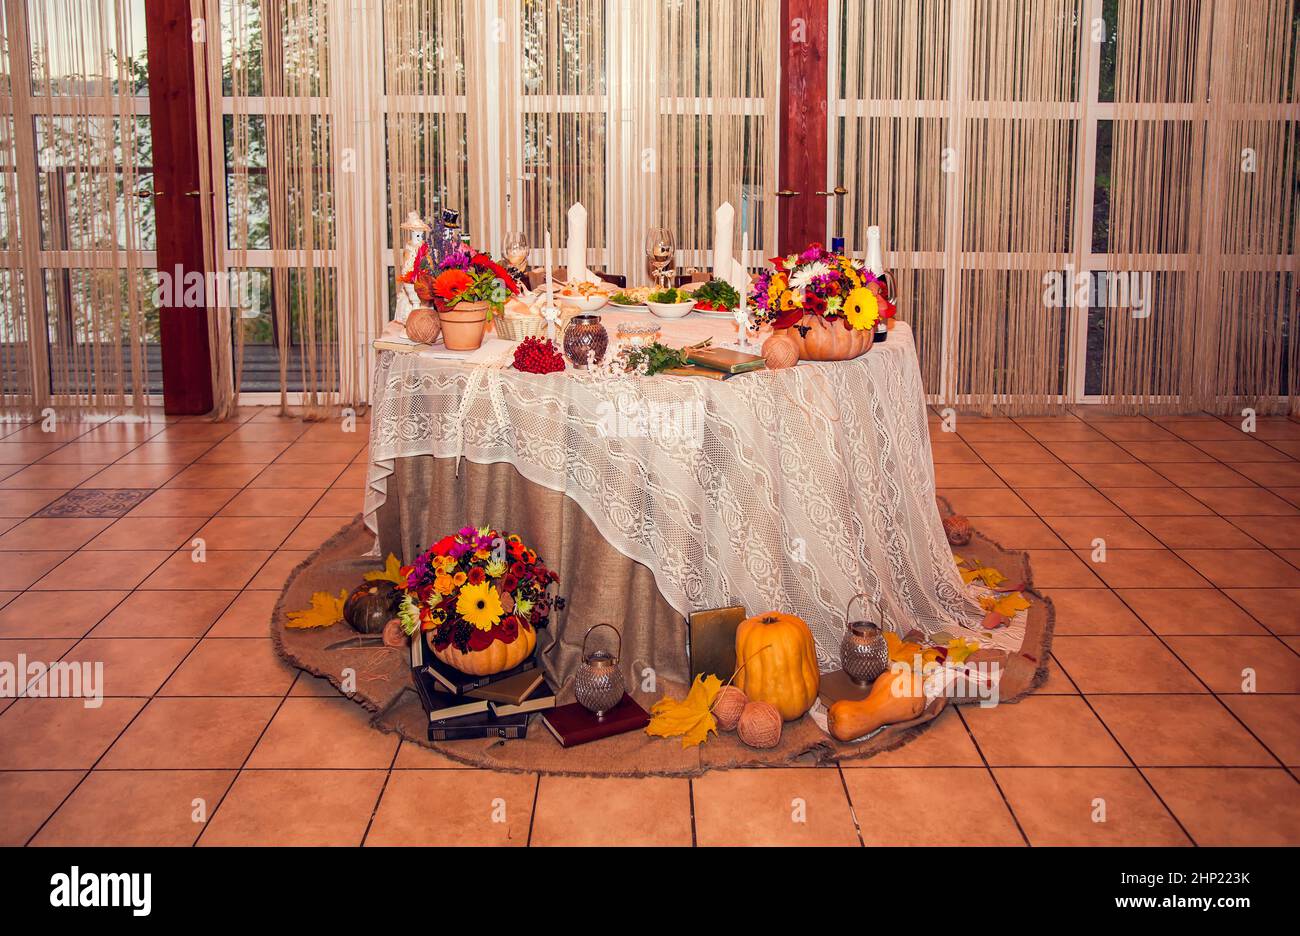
480 606
862 309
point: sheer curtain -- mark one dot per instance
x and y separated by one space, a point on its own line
77 316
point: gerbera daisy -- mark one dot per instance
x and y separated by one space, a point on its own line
861 309
480 606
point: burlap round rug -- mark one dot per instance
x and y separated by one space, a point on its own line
383 685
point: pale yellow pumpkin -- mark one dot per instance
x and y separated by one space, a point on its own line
778 663
497 658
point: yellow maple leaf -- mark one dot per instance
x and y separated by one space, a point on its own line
990 577
391 572
959 649
325 610
1006 605
900 652
691 718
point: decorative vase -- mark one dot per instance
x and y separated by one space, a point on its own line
585 335
463 325
598 685
819 340
497 658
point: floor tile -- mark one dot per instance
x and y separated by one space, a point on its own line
312 532
165 614
1202 430
997 454
239 452
26 503
1273 532
415 757
246 532
1057 568
981 502
1081 453
191 734
1202 475
29 798
323 733
204 431
1042 731
165 453
231 667
1272 719
296 807
1068 502
965 476
320 453
148 807
43 533
1151 568
132 666
1242 568
1154 453
47 477
288 475
61 734
1263 808
1116 532
22 570
1122 664
1087 806
338 502
1156 502
1202 611
214 476
1179 731
167 533
1138 431
1205 532
182 502
26 453
777 806
1233 502
221 569
1128 475
275 572
1223 662
277 502
1057 681
54 614
1278 609
249 615
99 571
1271 474
946 743
1090 611
1039 475
631 810
973 813
1241 451
131 476
477 807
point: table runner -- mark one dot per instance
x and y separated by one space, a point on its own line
790 489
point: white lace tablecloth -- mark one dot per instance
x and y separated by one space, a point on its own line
790 489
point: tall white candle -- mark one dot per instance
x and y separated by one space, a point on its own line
724 223
546 299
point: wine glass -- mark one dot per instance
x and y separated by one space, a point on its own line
515 249
660 252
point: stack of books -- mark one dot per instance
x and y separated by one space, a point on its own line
461 707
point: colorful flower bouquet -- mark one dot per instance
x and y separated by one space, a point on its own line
478 597
806 294
466 288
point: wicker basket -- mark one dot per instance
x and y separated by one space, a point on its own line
519 327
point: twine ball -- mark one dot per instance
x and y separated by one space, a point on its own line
394 636
957 529
422 325
760 725
728 706
780 351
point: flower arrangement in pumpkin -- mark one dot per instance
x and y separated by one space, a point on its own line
475 590
828 285
462 276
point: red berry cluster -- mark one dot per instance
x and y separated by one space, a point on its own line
538 356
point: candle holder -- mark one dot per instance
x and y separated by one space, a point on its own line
585 340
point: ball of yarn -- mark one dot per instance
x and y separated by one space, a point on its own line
728 706
422 325
394 636
760 725
780 351
957 529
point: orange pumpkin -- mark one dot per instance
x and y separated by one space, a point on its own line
497 658
778 663
819 340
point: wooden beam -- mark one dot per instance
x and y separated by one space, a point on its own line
186 361
805 28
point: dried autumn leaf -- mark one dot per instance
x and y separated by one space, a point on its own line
959 649
391 572
1008 605
325 611
691 718
990 577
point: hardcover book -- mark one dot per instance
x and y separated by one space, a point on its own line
726 360
482 725
573 725
439 705
542 699
512 690
459 683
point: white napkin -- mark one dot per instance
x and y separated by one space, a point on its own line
577 259
724 225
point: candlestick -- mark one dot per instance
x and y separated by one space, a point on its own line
548 312
742 283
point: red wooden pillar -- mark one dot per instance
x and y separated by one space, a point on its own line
805 26
186 364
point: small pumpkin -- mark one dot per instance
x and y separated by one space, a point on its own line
370 606
760 725
496 658
423 325
778 663
728 706
781 350
897 695
820 340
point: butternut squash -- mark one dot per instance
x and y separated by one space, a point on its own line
896 696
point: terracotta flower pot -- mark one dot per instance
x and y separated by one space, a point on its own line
819 340
463 325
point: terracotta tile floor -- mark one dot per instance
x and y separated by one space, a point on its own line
1170 711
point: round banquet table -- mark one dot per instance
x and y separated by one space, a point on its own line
654 497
